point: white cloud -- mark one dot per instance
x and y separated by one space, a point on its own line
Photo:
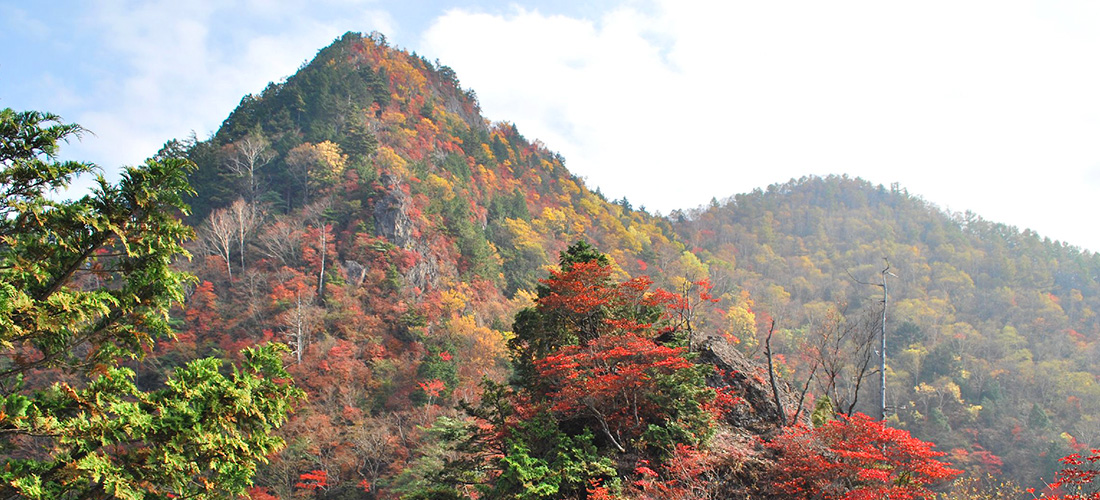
19 21
988 106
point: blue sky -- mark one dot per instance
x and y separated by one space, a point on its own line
987 106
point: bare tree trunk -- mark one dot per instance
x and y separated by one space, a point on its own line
299 338
771 376
249 155
218 235
882 368
321 275
802 395
245 217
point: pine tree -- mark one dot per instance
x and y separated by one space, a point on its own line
85 285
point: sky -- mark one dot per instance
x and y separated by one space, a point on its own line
987 106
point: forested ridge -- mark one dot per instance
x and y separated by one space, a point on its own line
467 319
991 330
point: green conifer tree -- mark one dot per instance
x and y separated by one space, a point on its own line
84 285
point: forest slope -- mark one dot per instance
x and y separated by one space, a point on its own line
992 331
365 213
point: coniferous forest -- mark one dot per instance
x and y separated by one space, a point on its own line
360 288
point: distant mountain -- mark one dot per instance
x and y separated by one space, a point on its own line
365 213
992 331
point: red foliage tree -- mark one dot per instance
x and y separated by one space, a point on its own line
589 303
618 381
685 475
855 457
313 480
1075 480
681 308
602 352
433 388
260 493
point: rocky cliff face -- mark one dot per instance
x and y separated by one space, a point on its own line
392 221
748 380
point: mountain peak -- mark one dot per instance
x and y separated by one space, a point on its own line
396 231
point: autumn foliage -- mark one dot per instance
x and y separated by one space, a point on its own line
855 457
1076 479
313 480
615 380
600 382
398 247
609 357
685 475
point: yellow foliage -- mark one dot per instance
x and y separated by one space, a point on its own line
488 176
776 295
805 264
321 163
688 269
637 239
744 299
924 389
943 387
818 310
387 159
429 126
588 205
741 323
562 222
486 345
487 152
524 298
569 187
438 187
393 119
452 301
952 389
523 235
329 154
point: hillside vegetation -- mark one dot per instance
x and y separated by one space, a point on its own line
992 332
364 213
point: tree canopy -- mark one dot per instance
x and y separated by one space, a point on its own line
86 286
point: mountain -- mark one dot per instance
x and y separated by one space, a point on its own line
364 212
992 331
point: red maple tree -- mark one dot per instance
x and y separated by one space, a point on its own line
313 480
855 457
614 380
685 475
1075 480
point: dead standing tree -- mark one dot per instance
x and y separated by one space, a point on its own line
216 237
246 218
244 158
771 375
844 349
881 331
885 302
776 399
